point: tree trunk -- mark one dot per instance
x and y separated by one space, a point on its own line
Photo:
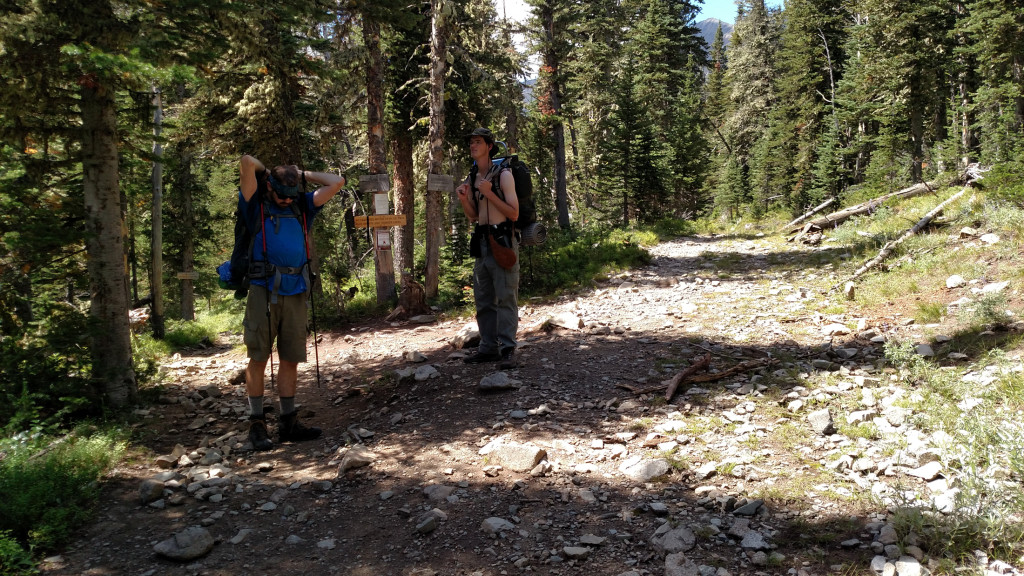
383 260
405 198
554 96
438 56
156 248
111 336
188 299
917 136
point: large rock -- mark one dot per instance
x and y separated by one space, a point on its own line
565 320
150 491
356 457
516 457
189 544
821 422
668 540
467 336
644 470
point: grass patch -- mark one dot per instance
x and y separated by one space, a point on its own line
929 312
48 488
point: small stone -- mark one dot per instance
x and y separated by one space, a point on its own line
240 537
887 535
849 291
821 422
576 552
749 509
928 472
498 381
645 470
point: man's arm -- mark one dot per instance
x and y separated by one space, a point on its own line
248 167
330 185
468 206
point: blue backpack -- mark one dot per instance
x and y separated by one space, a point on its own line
237 273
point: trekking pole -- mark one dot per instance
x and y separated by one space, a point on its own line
270 346
316 347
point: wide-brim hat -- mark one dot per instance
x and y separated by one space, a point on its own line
484 133
488 137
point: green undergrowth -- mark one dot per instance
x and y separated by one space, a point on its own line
48 488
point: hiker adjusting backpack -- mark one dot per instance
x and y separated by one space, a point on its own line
244 267
530 231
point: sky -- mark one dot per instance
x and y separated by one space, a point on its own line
724 10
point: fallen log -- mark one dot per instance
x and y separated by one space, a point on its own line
689 371
835 218
886 250
809 213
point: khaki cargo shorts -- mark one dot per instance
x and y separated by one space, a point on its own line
286 324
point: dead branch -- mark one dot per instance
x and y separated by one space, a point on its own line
689 371
886 250
741 367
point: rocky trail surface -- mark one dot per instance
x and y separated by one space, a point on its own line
572 463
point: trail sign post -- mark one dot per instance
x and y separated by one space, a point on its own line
381 222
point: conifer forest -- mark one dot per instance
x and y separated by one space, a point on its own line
123 122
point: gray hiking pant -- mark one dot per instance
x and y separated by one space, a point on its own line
496 293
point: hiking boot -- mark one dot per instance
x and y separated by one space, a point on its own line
508 359
258 435
482 357
290 430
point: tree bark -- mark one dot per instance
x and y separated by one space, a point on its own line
188 311
156 244
383 260
438 59
111 336
405 198
554 97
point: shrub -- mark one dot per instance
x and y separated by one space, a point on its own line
48 488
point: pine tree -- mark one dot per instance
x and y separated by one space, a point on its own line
895 87
808 64
750 77
995 29
66 66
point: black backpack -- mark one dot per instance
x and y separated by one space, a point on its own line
531 232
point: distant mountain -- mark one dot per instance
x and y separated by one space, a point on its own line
709 26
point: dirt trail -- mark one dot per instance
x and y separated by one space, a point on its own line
430 501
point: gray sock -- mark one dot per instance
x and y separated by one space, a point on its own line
256 406
287 404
